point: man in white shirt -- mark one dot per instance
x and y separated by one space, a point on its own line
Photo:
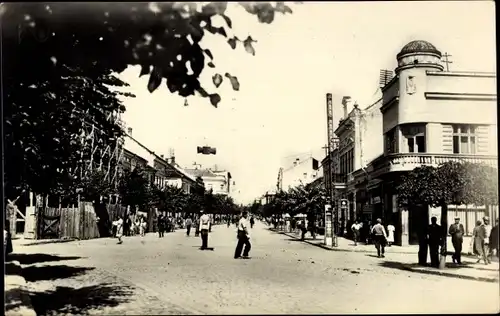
243 238
487 228
356 228
204 227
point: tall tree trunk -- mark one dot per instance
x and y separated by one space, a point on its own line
444 227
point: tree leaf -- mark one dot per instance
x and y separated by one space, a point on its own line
211 64
232 42
282 8
234 82
247 43
217 80
228 21
209 53
154 80
215 99
216 30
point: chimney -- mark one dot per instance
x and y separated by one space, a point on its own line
162 156
172 160
129 131
346 100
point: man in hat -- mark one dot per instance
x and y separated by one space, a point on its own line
435 239
204 227
487 228
379 237
457 232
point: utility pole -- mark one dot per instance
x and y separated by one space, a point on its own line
447 61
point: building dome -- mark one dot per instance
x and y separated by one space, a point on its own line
419 46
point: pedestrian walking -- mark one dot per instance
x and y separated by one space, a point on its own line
119 229
356 228
204 227
243 238
390 234
457 232
161 225
379 238
435 239
189 222
228 221
478 235
142 226
252 222
487 228
494 238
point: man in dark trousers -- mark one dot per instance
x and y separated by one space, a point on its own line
457 232
204 228
435 238
189 223
243 238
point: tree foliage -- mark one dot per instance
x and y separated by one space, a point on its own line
134 188
450 183
309 200
43 125
44 40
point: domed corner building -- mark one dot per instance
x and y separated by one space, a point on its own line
429 116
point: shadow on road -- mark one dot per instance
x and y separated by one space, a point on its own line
66 300
50 241
50 273
31 258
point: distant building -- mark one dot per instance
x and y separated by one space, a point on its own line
160 171
301 172
426 117
219 181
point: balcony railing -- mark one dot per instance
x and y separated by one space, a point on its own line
409 161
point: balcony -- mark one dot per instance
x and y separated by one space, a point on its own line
410 161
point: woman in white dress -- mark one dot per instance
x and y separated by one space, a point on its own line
390 232
119 229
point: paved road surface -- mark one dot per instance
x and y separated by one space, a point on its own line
172 276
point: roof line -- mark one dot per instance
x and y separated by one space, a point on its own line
158 157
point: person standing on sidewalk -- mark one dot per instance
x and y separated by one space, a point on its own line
494 238
204 227
457 232
379 238
390 234
243 238
189 223
478 235
435 239
161 225
487 248
252 222
356 228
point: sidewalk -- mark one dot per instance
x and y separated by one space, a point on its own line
17 300
469 269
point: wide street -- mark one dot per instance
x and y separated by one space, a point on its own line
172 276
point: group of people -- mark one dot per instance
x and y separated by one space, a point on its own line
129 227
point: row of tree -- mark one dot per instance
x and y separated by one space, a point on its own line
134 189
303 199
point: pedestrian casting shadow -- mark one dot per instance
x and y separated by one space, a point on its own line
31 258
417 268
373 256
80 301
50 273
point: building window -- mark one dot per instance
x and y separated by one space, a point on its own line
415 138
464 139
390 141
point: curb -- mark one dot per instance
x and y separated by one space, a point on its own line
18 291
452 275
407 268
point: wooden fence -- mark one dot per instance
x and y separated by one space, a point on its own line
78 222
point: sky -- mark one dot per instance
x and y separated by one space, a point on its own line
280 110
